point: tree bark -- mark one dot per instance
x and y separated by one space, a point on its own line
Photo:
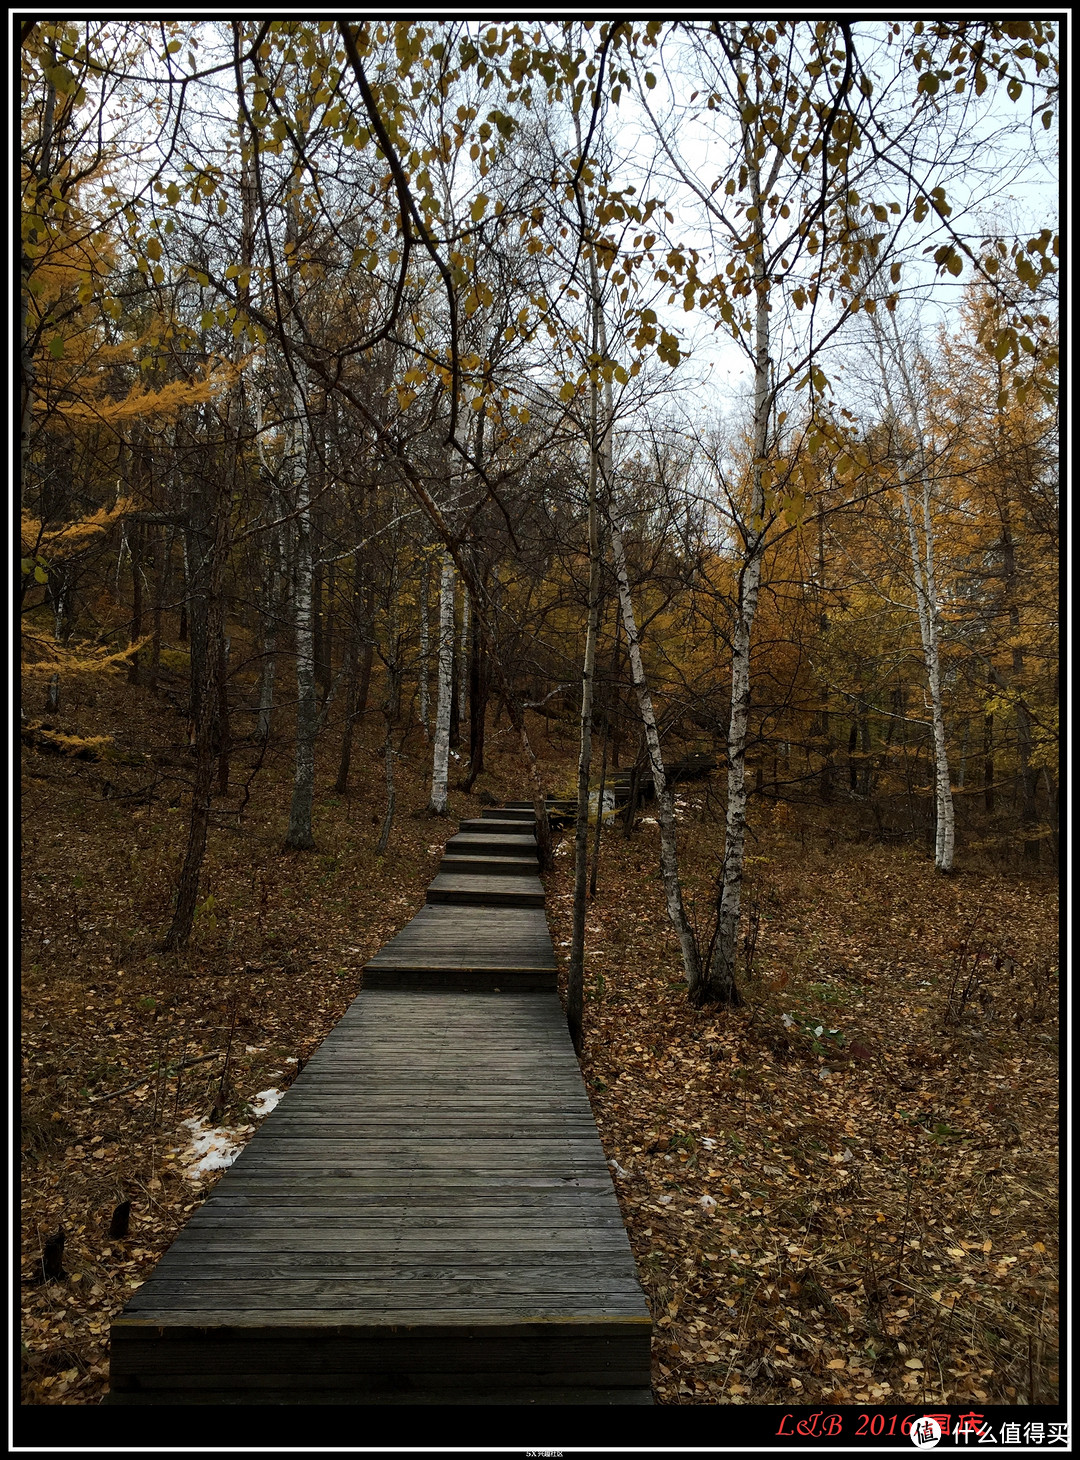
669 860
299 836
271 612
595 873
425 653
478 696
352 685
210 616
719 985
575 994
988 759
441 758
895 365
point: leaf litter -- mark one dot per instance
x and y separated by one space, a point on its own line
844 1191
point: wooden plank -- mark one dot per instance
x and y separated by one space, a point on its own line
475 889
448 938
489 826
491 865
427 1212
492 846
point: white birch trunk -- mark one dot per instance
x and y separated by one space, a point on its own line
441 758
922 563
425 653
575 995
299 836
665 801
270 626
463 657
926 597
721 978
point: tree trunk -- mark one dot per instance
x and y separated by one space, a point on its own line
575 995
922 563
478 696
924 575
719 985
271 611
390 709
441 757
210 615
158 538
595 873
669 861
135 548
299 835
26 359
988 759
391 797
425 654
461 674
1029 814
352 686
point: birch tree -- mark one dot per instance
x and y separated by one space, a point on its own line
599 442
441 751
897 363
299 836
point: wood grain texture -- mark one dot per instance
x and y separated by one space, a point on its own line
490 866
426 1217
476 889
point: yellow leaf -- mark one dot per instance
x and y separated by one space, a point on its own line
479 207
913 1363
836 1364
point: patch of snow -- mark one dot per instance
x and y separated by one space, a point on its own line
664 1200
265 1101
618 1170
255 1049
210 1148
707 1203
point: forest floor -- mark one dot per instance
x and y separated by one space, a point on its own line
843 1191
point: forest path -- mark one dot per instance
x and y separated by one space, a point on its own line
427 1216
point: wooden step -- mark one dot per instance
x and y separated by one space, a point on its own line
473 843
490 866
475 889
453 947
493 826
508 813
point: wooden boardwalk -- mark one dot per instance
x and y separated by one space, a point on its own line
427 1216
